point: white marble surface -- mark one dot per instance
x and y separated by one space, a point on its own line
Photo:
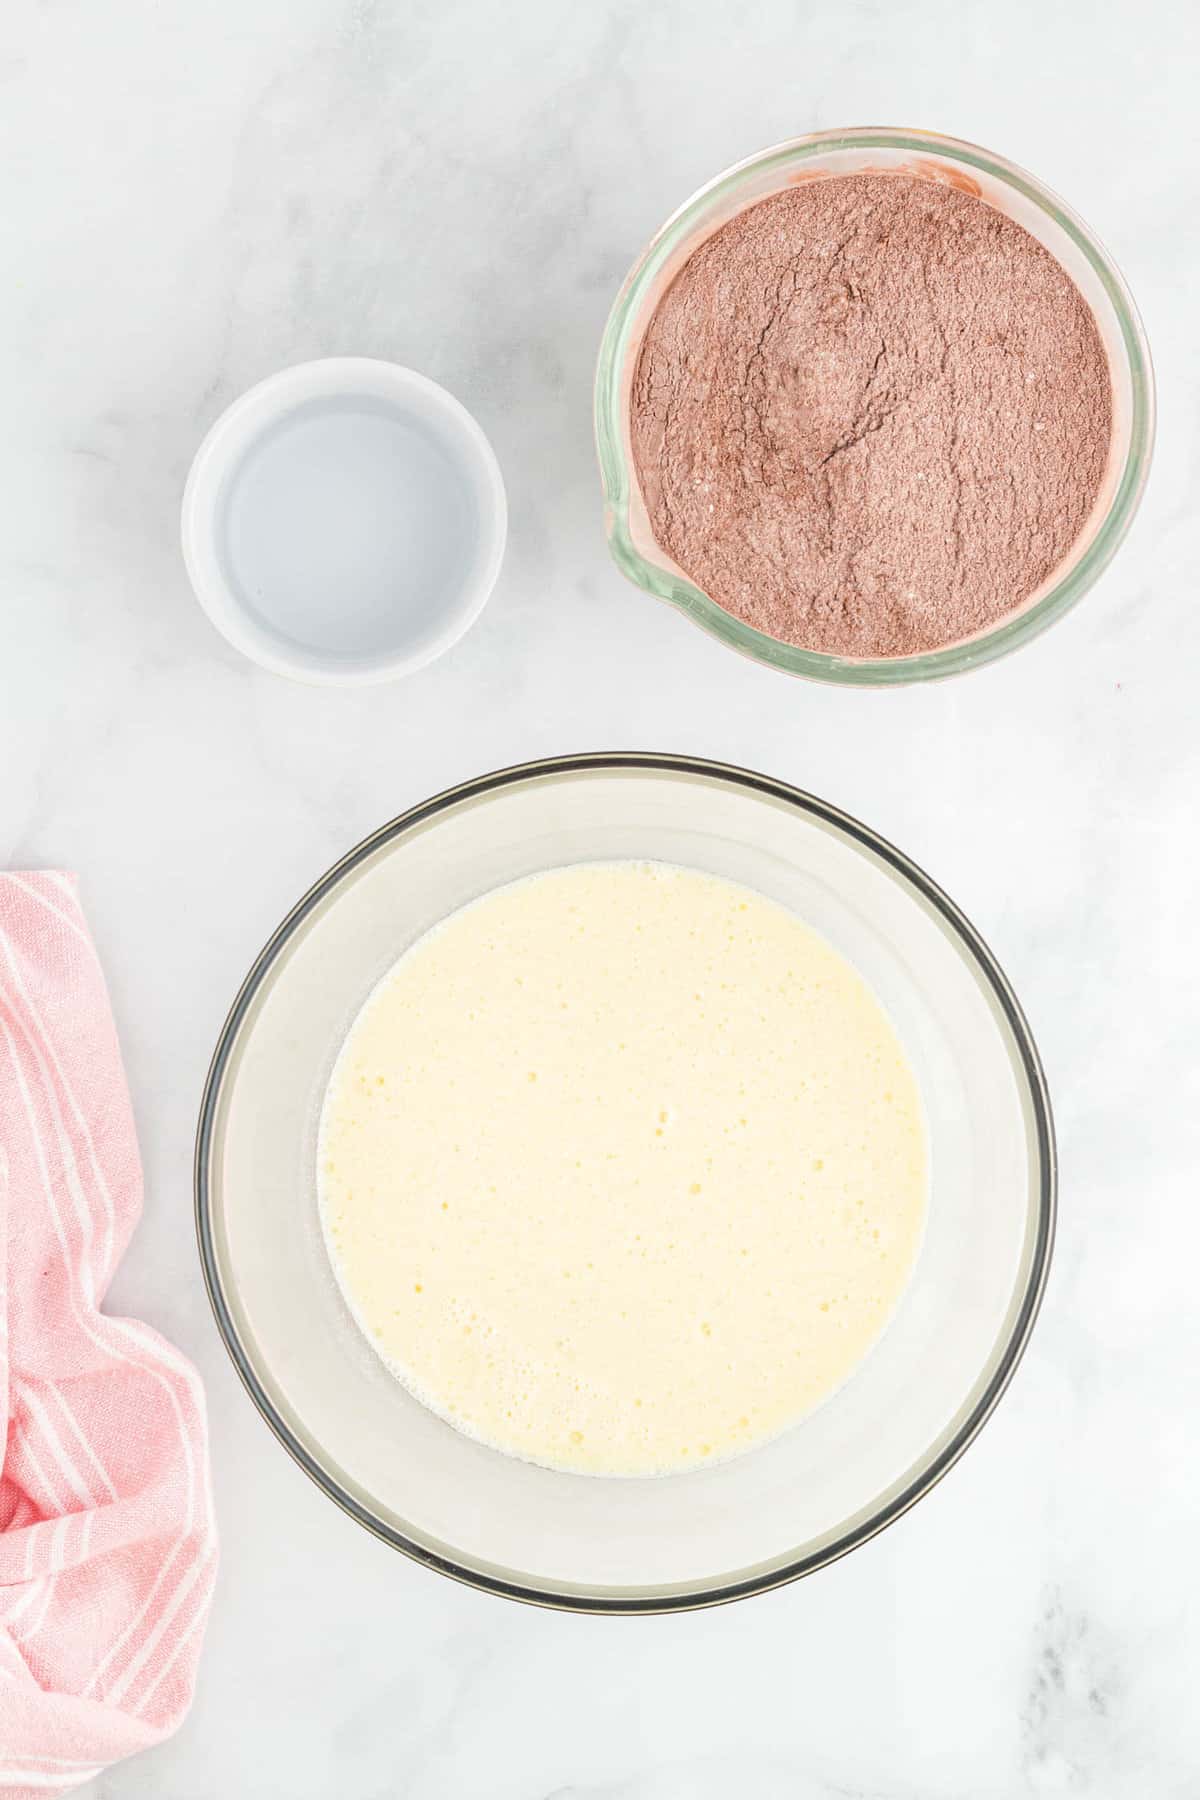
197 195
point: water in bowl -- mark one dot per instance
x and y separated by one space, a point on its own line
348 530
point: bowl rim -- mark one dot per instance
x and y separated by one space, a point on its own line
1010 631
272 399
598 1601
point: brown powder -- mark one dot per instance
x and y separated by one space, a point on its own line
870 415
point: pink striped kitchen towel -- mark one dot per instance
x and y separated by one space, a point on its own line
107 1547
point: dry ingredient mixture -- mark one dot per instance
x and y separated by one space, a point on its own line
870 415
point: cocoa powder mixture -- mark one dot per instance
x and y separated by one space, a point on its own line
870 415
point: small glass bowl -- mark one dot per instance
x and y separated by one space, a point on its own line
936 158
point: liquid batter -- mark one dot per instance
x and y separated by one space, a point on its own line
622 1169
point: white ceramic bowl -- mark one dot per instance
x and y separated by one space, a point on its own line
711 1534
344 521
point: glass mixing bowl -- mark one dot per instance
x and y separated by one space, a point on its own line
712 1534
1003 186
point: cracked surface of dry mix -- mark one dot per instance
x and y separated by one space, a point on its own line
870 415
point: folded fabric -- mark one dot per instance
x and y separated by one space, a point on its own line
107 1546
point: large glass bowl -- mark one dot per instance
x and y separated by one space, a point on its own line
1003 186
713 1534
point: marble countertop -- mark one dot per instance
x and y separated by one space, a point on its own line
198 195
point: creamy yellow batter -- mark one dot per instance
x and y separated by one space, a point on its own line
622 1169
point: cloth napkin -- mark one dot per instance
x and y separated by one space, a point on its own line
107 1546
